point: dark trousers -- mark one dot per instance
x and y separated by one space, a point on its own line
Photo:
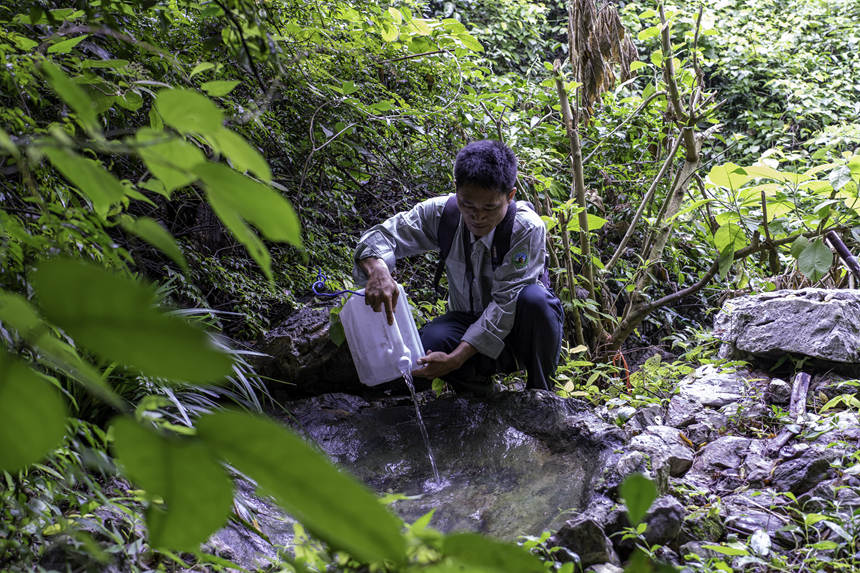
533 344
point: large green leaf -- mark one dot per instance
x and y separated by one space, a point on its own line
196 490
32 412
334 506
731 236
117 318
72 94
187 111
638 493
170 159
89 177
729 175
815 260
219 88
241 154
477 550
16 312
153 233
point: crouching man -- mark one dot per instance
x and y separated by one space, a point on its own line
502 316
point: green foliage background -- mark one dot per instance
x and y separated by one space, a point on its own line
174 172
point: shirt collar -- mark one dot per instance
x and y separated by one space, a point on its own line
486 239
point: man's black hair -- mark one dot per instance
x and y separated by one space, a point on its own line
487 163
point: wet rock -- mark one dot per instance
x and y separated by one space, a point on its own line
651 415
300 352
664 520
633 462
586 538
800 474
723 453
843 492
665 447
820 323
605 568
510 462
682 412
248 548
778 392
709 386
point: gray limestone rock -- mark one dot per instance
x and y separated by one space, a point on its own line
709 386
586 538
802 473
778 392
819 323
665 446
664 519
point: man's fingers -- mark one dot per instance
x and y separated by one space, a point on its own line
389 311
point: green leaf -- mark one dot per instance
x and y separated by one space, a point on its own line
815 260
594 223
839 177
854 167
798 246
729 176
638 493
726 550
241 154
688 208
254 202
389 32
727 257
187 111
479 551
89 177
647 33
731 236
196 490
8 145
470 42
33 414
764 171
331 504
420 26
72 94
637 65
396 16
17 312
65 46
201 67
153 233
117 319
171 159
219 88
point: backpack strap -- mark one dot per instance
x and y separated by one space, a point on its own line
502 238
448 224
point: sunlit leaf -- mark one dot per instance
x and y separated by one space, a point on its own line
187 111
169 158
726 550
72 94
153 233
89 177
470 41
730 235
332 505
638 493
476 550
256 203
66 46
390 32
33 414
241 154
200 68
196 491
116 318
219 88
729 176
16 312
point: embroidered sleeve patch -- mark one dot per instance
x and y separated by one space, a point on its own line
520 259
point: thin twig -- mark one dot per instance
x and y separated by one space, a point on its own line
635 112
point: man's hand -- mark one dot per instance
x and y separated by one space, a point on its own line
380 292
438 364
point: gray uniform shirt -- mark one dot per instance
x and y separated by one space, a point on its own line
492 293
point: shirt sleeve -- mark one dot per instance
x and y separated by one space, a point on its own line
521 266
405 234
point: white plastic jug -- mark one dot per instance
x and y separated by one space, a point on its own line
380 352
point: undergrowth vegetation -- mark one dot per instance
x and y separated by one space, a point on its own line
176 172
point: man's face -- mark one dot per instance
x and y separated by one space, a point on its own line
482 208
